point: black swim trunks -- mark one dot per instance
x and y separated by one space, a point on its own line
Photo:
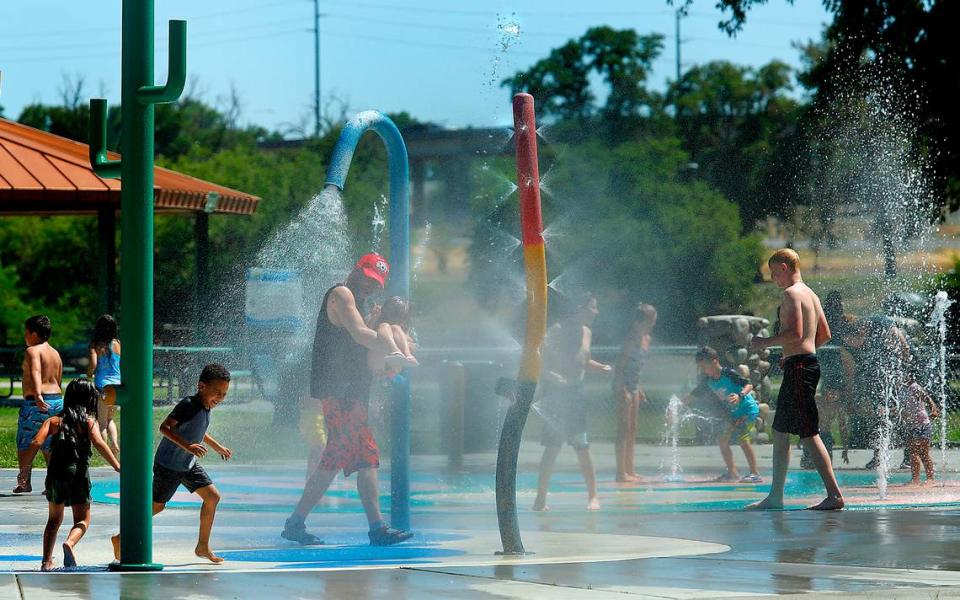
565 415
166 481
796 403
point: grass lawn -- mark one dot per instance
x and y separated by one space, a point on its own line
248 433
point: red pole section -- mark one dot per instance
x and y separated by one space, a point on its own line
528 170
531 225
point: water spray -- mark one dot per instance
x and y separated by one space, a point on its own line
941 303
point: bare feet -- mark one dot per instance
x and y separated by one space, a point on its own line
46 566
69 558
593 504
207 553
115 541
829 503
412 361
540 505
767 503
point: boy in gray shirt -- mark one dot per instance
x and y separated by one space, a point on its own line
184 435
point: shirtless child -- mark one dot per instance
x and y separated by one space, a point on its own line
803 329
42 396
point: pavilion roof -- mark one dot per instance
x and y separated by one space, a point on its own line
42 173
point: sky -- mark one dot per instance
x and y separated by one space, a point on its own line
440 61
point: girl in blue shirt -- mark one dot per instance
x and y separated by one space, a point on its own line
104 369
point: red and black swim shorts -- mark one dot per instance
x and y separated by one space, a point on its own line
350 443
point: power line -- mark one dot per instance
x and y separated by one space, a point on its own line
73 31
402 42
761 20
160 46
489 13
194 35
434 27
733 41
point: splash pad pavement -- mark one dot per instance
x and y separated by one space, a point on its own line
683 539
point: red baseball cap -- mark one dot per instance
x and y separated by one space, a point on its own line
375 267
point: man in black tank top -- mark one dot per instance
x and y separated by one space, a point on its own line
340 385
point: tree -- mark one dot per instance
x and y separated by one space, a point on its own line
912 43
623 224
181 127
736 122
560 83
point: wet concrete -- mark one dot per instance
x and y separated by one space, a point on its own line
689 551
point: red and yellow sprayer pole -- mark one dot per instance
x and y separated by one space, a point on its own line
535 266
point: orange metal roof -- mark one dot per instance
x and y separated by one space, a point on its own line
42 173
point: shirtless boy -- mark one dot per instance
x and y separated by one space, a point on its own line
42 396
803 329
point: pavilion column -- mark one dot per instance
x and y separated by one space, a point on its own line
107 271
201 231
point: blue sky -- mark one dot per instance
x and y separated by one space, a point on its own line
437 59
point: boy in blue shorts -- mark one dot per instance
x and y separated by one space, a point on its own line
736 394
42 395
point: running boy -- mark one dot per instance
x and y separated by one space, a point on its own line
736 393
42 395
184 435
803 329
70 437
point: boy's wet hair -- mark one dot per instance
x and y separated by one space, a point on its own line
785 256
395 311
583 300
214 372
706 354
40 325
644 313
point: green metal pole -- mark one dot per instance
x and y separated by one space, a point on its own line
136 287
138 94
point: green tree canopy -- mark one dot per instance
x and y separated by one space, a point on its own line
736 122
910 45
560 83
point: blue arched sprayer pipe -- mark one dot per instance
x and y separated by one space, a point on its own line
399 284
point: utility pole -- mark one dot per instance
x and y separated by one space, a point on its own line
316 66
679 63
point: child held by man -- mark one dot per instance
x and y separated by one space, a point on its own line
392 322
